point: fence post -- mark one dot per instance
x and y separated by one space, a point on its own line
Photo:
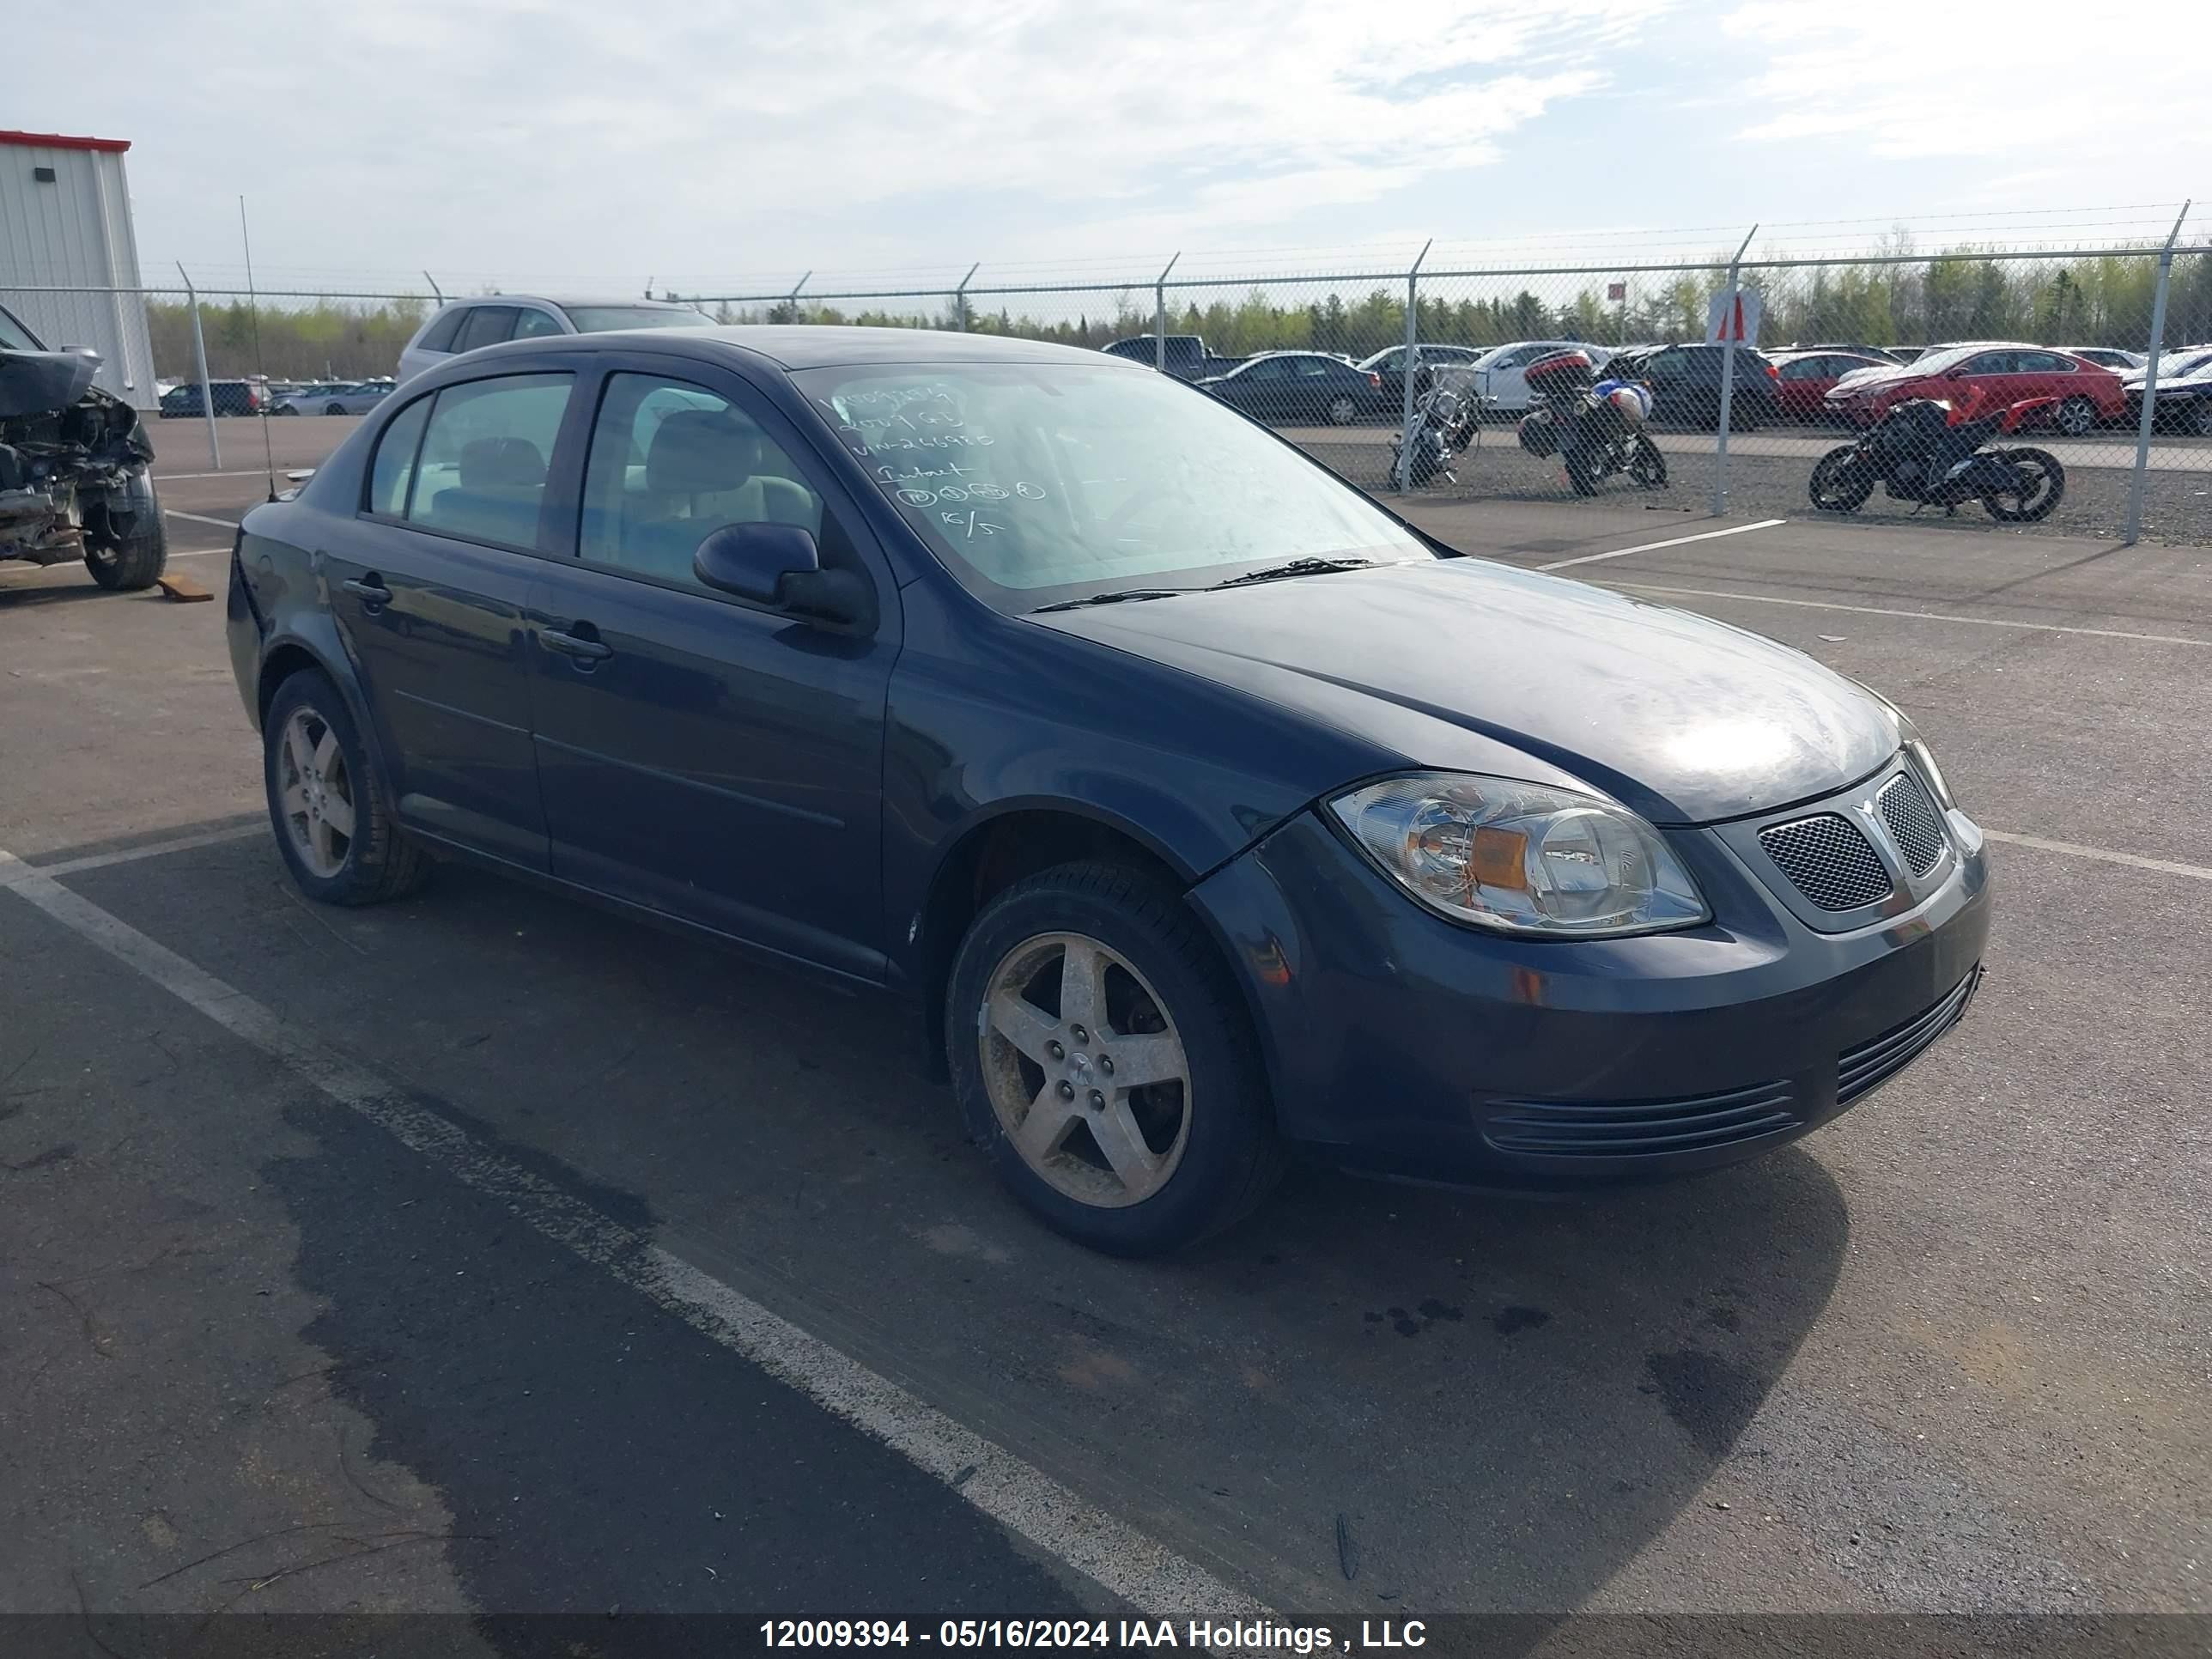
1160 316
1727 376
434 288
199 361
792 298
960 298
2150 386
1412 350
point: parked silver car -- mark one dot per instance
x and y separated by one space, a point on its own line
464 324
334 397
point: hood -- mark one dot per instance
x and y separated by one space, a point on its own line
1683 719
42 382
1880 375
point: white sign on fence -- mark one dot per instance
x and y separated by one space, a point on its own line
1738 322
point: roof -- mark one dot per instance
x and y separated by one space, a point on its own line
564 300
62 141
806 346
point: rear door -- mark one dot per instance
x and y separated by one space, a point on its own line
427 585
713 760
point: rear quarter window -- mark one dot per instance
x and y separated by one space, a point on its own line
393 471
441 337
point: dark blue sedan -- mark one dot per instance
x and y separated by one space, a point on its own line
1206 809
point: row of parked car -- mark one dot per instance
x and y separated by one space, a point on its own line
251 396
1853 384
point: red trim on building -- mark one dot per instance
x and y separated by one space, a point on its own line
63 141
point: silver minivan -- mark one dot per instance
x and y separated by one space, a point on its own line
464 324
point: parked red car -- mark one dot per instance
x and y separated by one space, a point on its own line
1805 379
2004 373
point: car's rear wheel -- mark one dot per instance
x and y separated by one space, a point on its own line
327 800
2200 417
1105 1063
1342 411
2076 417
334 409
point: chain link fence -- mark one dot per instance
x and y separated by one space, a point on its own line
1350 363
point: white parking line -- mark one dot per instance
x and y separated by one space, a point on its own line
1653 547
12 870
166 477
2102 855
199 518
1153 1578
1919 615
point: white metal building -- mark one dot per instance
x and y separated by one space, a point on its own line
65 223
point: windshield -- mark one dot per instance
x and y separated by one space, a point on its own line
14 337
1037 483
1935 362
600 320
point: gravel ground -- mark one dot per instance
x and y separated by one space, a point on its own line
2177 506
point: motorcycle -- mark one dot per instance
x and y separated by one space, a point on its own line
1928 452
1594 432
1443 425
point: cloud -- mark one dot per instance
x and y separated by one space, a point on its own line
2001 79
568 135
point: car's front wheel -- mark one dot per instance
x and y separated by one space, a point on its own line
1342 411
327 801
1105 1063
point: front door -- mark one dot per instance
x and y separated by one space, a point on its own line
710 759
427 585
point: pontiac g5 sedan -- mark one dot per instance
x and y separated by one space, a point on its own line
1206 811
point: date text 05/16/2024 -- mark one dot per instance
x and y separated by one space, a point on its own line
1202 1636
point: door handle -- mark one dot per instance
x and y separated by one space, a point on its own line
368 589
572 645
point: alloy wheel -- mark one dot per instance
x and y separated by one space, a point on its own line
316 793
1085 1070
1342 411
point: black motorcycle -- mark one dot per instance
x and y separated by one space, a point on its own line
1594 437
1921 452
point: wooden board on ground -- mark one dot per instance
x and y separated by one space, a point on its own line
183 589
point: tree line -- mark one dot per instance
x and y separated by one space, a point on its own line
325 340
1960 293
1957 294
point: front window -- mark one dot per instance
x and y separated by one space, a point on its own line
1037 483
602 319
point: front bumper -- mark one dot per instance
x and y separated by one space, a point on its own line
1401 1043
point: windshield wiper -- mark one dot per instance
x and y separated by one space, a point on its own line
1295 568
1119 596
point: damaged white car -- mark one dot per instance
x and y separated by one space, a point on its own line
74 460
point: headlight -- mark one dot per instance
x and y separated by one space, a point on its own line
1930 770
1521 858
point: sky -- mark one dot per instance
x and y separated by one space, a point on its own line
725 146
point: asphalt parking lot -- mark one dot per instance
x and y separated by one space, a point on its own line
484 1252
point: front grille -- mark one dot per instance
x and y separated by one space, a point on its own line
1828 860
1913 822
1871 1064
1647 1128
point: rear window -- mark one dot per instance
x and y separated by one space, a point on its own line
487 326
600 320
483 466
441 337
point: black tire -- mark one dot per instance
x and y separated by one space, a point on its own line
334 409
1342 411
2076 417
1647 465
2200 417
287 408
1579 473
1836 486
2035 507
381 863
1231 1155
131 557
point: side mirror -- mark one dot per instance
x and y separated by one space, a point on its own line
778 564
